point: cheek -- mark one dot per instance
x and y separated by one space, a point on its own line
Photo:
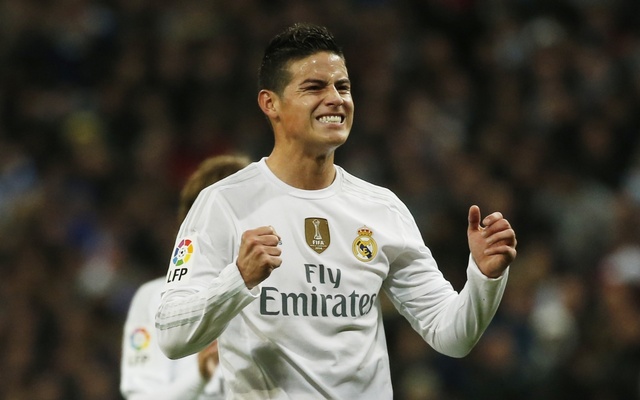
295 115
350 114
348 104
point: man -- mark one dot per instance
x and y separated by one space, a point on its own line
146 373
287 257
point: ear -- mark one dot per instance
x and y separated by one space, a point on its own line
268 102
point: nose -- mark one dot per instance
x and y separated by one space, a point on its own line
334 97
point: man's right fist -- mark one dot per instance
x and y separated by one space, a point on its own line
259 255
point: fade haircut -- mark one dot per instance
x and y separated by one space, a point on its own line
294 43
210 171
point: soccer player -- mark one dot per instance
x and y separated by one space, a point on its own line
284 262
146 373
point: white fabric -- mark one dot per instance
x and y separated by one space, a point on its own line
313 329
146 373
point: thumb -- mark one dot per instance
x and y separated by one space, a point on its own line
474 218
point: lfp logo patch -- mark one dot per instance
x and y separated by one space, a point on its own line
183 252
140 339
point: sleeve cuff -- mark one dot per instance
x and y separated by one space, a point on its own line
473 272
233 277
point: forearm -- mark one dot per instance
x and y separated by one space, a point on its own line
188 320
468 317
453 323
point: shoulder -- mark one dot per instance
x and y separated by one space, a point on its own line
148 292
144 304
377 198
367 191
237 182
153 285
230 190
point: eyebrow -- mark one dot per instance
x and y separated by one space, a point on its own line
324 82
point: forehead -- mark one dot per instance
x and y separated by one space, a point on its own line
323 65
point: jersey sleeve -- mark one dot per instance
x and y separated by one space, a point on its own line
204 289
450 322
146 373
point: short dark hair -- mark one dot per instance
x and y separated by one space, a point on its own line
294 43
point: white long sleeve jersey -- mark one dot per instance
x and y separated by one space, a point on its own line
145 372
313 329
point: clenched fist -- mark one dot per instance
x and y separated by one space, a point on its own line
259 255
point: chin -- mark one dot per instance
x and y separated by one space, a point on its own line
339 140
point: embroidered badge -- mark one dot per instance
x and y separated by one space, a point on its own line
365 247
182 253
316 232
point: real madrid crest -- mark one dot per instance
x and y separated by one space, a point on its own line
316 231
364 247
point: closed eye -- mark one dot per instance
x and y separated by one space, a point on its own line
344 88
313 85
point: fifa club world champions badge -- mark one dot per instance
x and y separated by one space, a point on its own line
316 232
365 247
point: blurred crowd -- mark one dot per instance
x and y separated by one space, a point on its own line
528 107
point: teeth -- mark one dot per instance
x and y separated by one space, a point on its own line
330 119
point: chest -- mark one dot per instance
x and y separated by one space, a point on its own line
328 247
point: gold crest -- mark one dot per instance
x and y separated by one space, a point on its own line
316 231
364 247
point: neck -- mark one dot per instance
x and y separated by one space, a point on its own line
307 173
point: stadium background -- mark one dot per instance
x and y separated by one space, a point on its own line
528 107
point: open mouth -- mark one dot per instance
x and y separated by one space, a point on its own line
331 119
